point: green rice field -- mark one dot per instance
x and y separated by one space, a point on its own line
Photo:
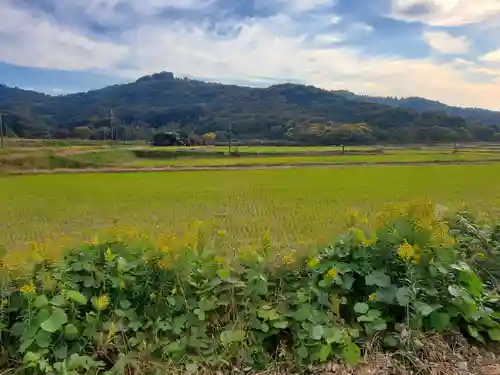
289 206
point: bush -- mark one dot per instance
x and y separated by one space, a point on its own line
114 306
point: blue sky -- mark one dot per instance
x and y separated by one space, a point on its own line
446 50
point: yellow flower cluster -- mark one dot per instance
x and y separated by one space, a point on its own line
331 273
313 262
409 253
28 289
290 257
372 297
100 303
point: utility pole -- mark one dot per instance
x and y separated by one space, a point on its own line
1 131
111 125
229 131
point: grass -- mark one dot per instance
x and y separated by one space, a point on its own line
337 159
299 205
102 156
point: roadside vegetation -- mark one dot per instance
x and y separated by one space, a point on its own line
127 306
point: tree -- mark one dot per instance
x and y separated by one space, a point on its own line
82 132
209 137
168 139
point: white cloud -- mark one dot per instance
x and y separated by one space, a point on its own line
493 56
267 49
446 12
45 44
446 43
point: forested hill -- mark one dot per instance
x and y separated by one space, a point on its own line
281 112
474 115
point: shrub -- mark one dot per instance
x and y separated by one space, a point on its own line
114 306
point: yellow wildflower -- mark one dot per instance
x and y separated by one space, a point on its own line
163 264
481 255
219 260
372 297
4 302
28 289
313 262
406 252
100 303
289 258
331 273
221 233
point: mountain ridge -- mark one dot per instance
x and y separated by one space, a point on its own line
162 101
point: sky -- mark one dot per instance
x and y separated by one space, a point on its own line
446 50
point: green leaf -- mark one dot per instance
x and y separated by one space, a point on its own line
347 281
125 304
386 295
302 352
280 324
352 354
61 352
77 297
379 325
475 334
494 334
17 329
333 335
40 301
58 300
43 339
56 321
391 341
475 284
423 308
454 291
173 347
224 274
373 313
268 314
378 278
303 313
178 324
70 330
200 314
324 353
439 321
25 344
232 336
317 332
361 308
403 296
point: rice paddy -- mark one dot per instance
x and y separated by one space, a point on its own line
283 207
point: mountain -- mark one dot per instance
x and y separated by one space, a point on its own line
475 115
281 112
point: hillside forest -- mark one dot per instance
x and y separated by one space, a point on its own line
284 113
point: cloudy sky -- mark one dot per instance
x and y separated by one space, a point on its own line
447 50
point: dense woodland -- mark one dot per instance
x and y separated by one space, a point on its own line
285 112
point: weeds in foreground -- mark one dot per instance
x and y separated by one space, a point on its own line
122 308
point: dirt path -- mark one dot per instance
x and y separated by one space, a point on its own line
245 167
